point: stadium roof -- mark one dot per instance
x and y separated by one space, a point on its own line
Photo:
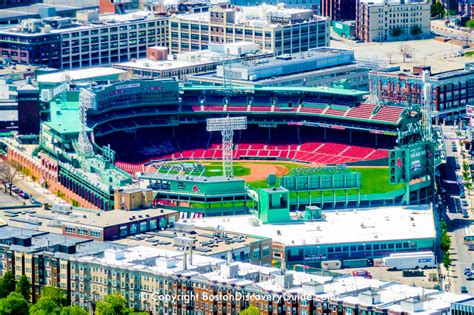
316 89
361 225
81 74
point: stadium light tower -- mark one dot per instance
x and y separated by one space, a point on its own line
226 126
86 101
426 108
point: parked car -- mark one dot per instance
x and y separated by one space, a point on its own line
465 203
25 195
465 214
34 201
464 289
467 270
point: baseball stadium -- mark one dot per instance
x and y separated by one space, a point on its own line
327 146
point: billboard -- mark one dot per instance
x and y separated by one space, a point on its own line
409 162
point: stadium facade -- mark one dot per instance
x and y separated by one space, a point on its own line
152 121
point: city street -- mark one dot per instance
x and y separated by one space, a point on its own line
454 219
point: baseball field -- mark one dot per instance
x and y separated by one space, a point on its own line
375 179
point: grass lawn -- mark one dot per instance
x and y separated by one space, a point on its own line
374 180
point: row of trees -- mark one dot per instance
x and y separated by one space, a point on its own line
15 297
415 30
445 245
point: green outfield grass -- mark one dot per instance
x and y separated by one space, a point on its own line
374 180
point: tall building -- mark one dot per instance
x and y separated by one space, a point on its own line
389 20
86 41
338 10
274 28
28 110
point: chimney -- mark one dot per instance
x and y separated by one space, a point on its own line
107 7
190 256
229 256
157 53
185 260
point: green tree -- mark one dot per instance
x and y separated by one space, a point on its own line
57 295
415 30
437 9
251 310
447 262
14 304
397 31
73 310
7 284
45 306
114 304
23 287
470 23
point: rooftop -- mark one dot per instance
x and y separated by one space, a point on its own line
78 75
159 261
362 225
263 15
53 221
349 290
18 239
314 89
33 10
209 242
65 25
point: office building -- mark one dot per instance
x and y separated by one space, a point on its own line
392 20
274 28
338 10
316 67
88 40
371 233
452 90
188 63
465 307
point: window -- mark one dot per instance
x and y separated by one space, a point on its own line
95 233
70 229
82 231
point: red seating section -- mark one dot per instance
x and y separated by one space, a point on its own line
361 111
388 113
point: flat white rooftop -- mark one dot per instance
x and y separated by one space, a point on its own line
81 74
160 261
341 226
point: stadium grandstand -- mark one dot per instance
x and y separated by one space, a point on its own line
318 125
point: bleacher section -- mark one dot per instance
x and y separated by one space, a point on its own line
311 152
370 112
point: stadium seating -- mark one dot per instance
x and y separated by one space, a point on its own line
388 113
361 111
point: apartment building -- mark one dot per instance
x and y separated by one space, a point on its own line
452 90
392 20
274 28
171 282
338 10
43 257
89 40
